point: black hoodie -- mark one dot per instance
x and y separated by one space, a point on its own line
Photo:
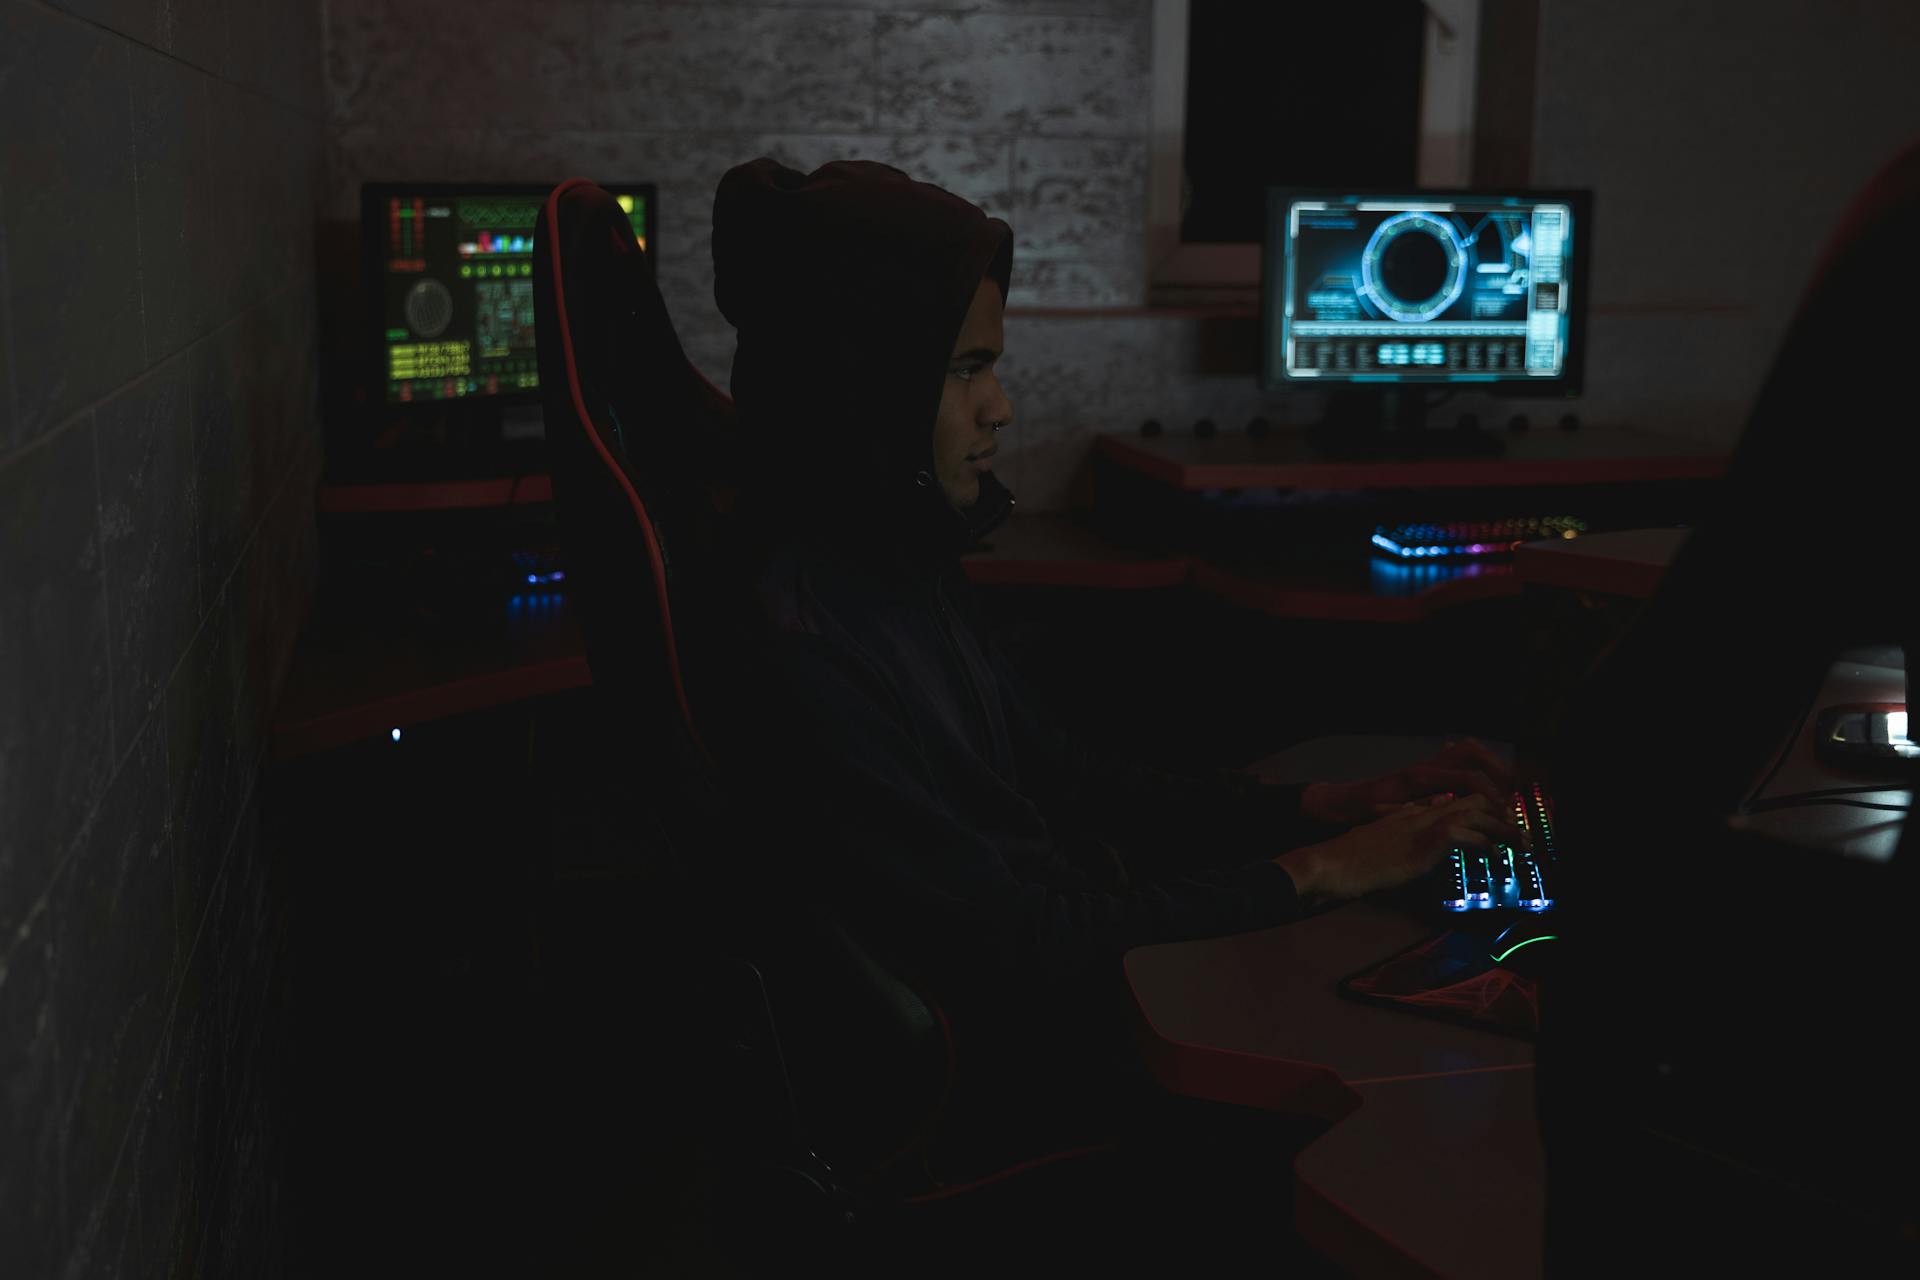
923 793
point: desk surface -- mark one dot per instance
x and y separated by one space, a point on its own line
1864 676
1437 1177
1592 455
1060 551
364 667
1361 586
368 663
1271 995
1630 562
433 495
1434 1122
1433 1130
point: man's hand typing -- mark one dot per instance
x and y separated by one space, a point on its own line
1461 768
1404 843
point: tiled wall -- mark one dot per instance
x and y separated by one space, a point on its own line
159 163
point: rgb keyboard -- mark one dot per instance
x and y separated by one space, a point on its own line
1505 877
1464 539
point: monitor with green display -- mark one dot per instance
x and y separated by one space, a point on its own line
450 278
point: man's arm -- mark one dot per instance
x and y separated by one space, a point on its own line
867 824
1168 820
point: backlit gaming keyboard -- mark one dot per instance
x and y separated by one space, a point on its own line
1504 877
1464 539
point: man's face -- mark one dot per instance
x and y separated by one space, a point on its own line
971 401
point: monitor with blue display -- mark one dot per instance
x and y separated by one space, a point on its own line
1424 289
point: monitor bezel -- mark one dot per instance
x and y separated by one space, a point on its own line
373 347
1273 265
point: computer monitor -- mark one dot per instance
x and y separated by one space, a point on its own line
1385 296
450 286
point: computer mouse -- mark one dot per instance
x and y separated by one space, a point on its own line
1526 946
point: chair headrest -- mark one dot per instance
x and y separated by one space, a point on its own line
668 421
1891 198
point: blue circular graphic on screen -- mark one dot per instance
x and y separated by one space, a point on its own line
1414 266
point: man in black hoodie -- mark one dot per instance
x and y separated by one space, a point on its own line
1000 865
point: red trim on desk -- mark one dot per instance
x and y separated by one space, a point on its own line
1038 1162
1147 463
1444 1075
1628 563
584 420
1281 601
1140 575
1612 578
416 706
433 495
1243 1079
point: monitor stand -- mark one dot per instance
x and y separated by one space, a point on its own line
1390 423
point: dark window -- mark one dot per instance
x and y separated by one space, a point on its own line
1296 94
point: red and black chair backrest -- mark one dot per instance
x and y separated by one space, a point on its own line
638 442
641 453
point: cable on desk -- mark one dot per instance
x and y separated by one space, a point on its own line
1837 791
1796 802
1786 752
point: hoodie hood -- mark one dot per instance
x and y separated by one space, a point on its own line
847 287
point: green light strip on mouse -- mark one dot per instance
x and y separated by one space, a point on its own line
1545 937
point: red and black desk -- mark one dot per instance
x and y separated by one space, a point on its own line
356 675
1355 584
1432 1166
366 665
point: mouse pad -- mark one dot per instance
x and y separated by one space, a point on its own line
1451 976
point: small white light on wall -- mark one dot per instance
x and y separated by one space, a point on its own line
396 735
